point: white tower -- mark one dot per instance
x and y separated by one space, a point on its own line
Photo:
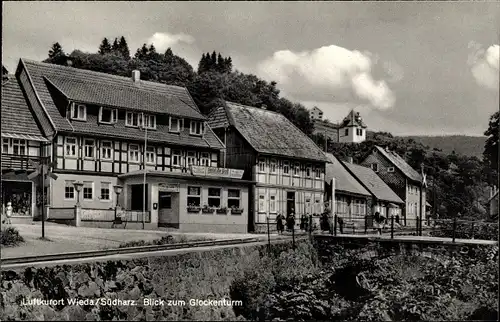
352 129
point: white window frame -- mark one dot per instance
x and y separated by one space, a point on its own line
87 187
89 148
81 111
178 154
194 196
308 171
390 169
69 184
219 197
4 142
272 167
296 169
191 158
21 144
229 197
103 187
150 155
374 167
262 202
149 121
286 167
170 123
272 203
113 117
317 172
262 165
74 145
205 159
106 149
195 127
135 152
130 117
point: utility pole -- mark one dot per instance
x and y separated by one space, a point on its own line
144 162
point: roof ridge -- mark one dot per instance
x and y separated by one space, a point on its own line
255 107
87 71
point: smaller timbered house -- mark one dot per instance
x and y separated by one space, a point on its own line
402 178
287 166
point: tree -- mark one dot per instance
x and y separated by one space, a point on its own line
490 153
105 47
56 50
124 50
116 46
142 52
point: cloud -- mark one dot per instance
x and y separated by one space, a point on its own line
484 64
331 70
164 40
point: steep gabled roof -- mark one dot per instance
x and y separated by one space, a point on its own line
16 114
400 163
353 119
373 183
98 88
267 132
344 180
130 97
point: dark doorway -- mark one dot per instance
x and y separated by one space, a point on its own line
290 202
165 200
19 193
137 197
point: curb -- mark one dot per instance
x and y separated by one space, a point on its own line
125 250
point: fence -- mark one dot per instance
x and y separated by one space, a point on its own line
449 228
108 215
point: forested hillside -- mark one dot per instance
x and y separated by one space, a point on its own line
461 144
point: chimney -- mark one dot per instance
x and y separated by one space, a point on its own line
349 160
136 76
69 61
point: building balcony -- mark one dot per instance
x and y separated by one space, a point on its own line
18 162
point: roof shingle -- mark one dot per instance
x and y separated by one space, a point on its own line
16 115
271 133
373 183
344 181
401 164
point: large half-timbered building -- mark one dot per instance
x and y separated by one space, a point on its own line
109 130
287 166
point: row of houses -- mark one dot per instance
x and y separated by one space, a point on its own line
146 149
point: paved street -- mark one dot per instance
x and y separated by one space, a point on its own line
73 239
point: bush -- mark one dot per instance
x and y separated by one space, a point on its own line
163 241
10 237
482 230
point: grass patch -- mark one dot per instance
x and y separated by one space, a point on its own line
165 240
10 237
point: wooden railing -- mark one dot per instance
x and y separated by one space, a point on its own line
18 162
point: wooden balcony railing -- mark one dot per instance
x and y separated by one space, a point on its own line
18 162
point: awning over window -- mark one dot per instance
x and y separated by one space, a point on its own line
24 137
392 205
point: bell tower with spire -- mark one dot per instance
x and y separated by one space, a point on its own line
352 129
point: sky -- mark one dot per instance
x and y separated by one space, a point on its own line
409 68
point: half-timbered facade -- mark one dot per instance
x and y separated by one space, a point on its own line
286 165
103 127
22 142
402 178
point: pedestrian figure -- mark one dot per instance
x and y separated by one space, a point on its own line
377 222
306 222
8 213
301 222
396 221
324 222
279 223
340 221
292 220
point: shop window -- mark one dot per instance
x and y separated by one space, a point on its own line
214 195
194 196
233 198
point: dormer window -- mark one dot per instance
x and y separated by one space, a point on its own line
132 119
196 128
108 115
150 121
78 112
175 125
375 167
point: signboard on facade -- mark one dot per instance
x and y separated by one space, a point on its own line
168 187
216 172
